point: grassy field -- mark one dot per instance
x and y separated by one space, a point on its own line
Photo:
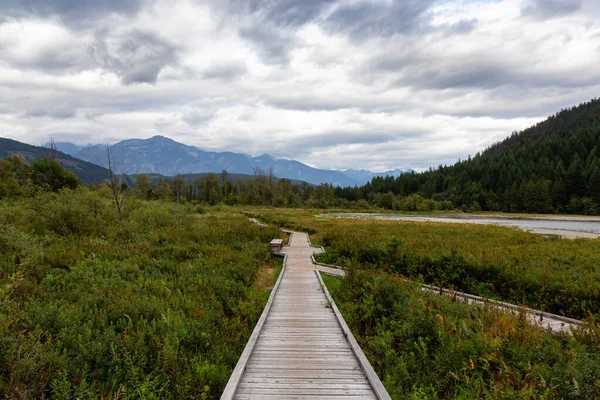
159 304
426 346
556 275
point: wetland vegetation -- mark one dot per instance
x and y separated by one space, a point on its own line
426 346
158 300
158 303
551 274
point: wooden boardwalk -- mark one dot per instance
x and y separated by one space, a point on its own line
301 348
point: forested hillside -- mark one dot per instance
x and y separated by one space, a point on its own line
553 166
85 171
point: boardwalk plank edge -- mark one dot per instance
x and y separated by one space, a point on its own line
234 379
372 377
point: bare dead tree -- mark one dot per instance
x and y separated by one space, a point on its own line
258 173
116 183
52 151
271 178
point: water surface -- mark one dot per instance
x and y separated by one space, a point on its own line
576 227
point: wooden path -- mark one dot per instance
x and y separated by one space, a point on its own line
301 347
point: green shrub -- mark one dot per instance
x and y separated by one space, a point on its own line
159 304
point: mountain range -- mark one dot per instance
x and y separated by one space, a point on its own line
164 156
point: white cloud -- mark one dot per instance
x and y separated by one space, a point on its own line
332 84
35 43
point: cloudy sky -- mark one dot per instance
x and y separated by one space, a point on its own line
375 84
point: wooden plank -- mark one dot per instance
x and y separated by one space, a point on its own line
262 396
234 379
304 391
280 373
380 391
317 381
302 351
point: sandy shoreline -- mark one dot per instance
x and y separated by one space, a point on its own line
483 219
548 217
564 234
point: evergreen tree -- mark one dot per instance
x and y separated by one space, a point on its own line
575 182
143 186
593 187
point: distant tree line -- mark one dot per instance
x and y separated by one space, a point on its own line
262 189
18 178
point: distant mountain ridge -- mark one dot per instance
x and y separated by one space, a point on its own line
87 172
165 156
66 147
364 176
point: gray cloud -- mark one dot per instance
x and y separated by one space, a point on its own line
272 42
303 102
225 71
367 19
62 54
461 27
546 9
270 24
399 65
197 117
291 13
288 13
76 12
489 74
74 59
343 137
333 83
483 75
136 57
61 112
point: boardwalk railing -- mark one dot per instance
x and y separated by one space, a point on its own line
549 321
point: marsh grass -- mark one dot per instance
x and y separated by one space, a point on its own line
157 305
551 274
426 346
